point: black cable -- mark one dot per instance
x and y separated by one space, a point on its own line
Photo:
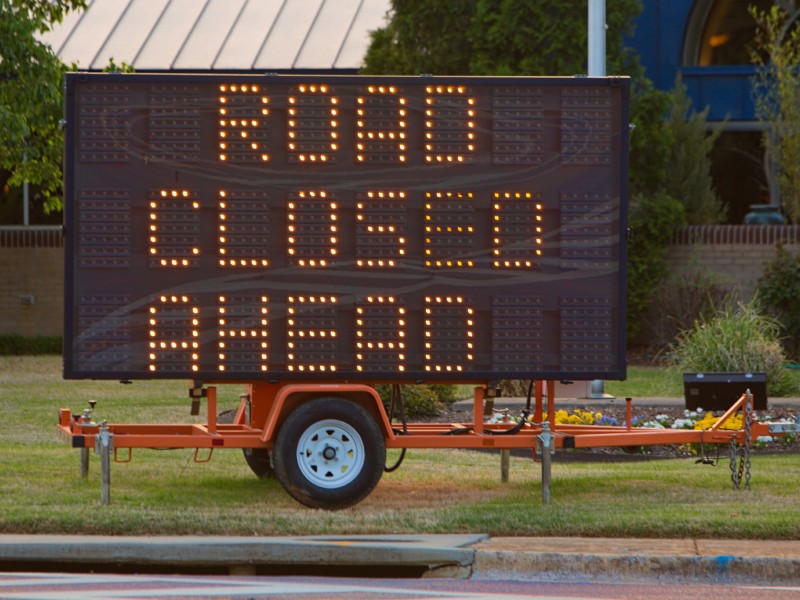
397 397
459 431
704 458
530 391
515 429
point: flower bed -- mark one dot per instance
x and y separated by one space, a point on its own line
655 417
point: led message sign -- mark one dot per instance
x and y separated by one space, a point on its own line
241 227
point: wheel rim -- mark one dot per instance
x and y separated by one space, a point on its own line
330 454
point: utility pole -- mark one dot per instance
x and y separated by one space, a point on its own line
597 68
597 38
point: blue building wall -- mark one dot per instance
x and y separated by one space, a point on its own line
660 37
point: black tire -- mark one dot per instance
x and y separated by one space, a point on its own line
329 453
259 462
256 458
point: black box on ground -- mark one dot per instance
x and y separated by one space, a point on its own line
718 391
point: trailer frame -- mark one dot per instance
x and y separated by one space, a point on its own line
264 408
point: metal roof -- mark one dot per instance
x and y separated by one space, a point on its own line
219 35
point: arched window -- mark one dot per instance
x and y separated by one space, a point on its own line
721 32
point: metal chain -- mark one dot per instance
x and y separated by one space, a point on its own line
748 436
734 477
743 454
741 467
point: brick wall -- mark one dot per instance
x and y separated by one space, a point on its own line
31 267
31 281
735 253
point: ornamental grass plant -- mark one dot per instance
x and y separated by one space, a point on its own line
739 339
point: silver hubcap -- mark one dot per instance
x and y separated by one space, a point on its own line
330 454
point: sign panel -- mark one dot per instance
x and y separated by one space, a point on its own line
247 227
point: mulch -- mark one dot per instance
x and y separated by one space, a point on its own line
455 415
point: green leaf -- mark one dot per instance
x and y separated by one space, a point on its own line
31 96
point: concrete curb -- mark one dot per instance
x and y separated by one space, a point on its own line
717 569
448 555
729 561
454 556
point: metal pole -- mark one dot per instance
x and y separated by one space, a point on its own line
103 444
628 414
597 38
504 465
26 198
86 418
84 463
543 443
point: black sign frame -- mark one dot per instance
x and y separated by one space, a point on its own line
326 228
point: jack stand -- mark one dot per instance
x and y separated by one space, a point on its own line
196 392
544 443
84 463
103 445
86 418
489 394
505 460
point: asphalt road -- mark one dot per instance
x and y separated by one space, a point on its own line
54 586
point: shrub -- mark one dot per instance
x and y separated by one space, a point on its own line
653 220
17 345
514 388
419 400
689 166
737 339
686 296
778 291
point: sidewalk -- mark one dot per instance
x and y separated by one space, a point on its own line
461 556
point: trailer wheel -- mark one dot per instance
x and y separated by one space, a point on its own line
329 453
259 462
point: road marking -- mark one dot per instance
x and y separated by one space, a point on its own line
39 579
85 587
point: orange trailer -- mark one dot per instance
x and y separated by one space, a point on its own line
326 443
312 235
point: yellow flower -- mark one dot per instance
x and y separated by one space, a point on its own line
734 423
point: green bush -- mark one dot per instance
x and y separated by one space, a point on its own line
419 400
688 170
17 345
514 388
653 219
691 294
778 291
737 339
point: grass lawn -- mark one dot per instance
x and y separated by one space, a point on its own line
437 491
648 382
667 382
